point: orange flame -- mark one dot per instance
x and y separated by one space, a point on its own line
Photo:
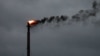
32 22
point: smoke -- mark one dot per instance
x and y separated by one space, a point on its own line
56 19
84 16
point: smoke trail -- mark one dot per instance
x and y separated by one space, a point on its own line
43 20
51 19
64 18
54 19
84 15
81 16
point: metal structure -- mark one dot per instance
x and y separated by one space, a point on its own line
28 39
30 23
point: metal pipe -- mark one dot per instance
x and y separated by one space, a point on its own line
28 39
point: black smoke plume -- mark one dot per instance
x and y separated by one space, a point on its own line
81 16
51 19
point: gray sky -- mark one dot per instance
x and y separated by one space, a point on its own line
47 40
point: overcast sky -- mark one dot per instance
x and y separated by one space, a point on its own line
78 39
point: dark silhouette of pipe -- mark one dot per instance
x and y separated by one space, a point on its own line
28 39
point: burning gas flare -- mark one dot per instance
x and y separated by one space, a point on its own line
32 22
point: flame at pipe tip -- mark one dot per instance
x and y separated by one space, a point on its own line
32 22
